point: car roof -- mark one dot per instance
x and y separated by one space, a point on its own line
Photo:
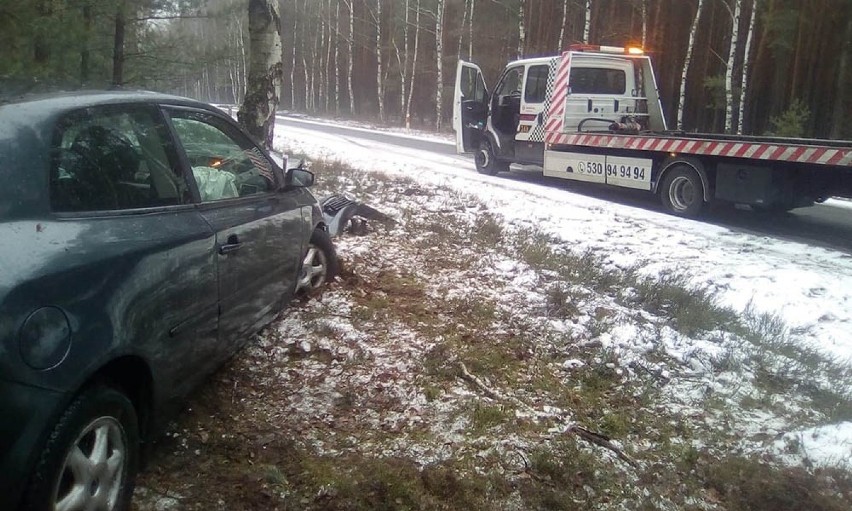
82 99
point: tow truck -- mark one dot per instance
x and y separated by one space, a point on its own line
594 114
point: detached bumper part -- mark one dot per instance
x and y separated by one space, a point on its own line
341 212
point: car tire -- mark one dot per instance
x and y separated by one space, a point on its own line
90 457
319 266
486 162
682 192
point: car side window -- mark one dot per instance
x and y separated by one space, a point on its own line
114 158
225 163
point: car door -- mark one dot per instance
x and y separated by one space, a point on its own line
134 268
258 230
470 107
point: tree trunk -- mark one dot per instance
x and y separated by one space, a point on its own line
85 53
413 67
379 81
403 74
461 29
351 55
746 65
840 115
644 23
522 36
337 60
293 55
559 46
689 48
118 47
470 30
587 21
729 71
439 51
257 113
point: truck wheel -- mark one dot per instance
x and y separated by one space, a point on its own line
90 459
486 163
682 192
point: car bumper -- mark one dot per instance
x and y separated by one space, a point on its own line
25 414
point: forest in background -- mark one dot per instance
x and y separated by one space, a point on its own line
394 60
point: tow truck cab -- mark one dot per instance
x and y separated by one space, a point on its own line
603 85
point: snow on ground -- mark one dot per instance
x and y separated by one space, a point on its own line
809 288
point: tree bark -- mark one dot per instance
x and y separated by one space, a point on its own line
522 36
379 81
337 60
257 113
840 115
351 56
729 70
746 66
559 46
689 48
587 21
439 51
118 47
413 67
293 55
470 30
85 52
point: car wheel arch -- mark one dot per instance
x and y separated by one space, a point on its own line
131 375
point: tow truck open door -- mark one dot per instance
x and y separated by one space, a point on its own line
470 107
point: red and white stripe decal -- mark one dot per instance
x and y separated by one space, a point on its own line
553 127
760 151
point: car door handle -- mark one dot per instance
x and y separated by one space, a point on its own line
232 245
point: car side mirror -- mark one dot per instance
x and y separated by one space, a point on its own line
298 178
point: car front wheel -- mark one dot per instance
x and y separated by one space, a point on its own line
91 456
320 264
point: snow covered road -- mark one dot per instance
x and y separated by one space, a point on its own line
809 287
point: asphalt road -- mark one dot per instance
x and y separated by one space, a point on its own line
821 225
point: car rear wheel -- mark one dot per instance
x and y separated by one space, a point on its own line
90 459
320 264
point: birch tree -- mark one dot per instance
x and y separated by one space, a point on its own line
521 32
559 46
439 53
587 21
377 18
351 43
402 61
413 66
746 65
257 113
461 29
689 49
337 59
729 71
293 55
470 30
